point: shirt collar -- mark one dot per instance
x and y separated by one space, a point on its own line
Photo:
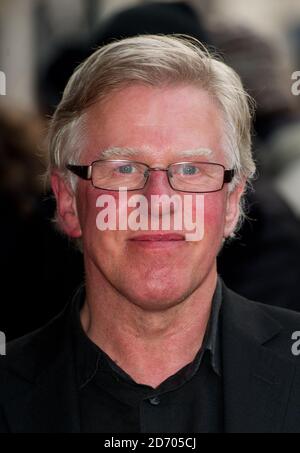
88 355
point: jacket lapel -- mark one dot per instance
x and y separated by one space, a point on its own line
257 381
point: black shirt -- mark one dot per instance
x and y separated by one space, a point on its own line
190 401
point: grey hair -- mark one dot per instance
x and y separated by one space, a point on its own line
154 60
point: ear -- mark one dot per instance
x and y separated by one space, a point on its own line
66 206
233 209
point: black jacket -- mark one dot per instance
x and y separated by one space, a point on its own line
261 376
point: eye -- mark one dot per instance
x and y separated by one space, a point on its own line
126 169
189 170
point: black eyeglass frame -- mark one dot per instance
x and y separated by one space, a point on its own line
85 172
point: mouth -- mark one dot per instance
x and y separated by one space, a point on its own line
157 240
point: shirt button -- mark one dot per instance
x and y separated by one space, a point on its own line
154 400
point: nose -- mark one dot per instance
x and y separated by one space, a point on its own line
157 183
156 190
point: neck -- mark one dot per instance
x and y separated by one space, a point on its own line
148 345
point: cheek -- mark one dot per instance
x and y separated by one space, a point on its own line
94 239
87 207
214 214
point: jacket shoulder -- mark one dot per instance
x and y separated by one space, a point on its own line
275 327
283 315
40 336
28 355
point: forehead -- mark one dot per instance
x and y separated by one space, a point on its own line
159 122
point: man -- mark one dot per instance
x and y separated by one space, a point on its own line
153 342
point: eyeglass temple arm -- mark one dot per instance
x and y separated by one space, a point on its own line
228 175
83 171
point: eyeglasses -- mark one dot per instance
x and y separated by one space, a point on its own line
196 177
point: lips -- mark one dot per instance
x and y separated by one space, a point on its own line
159 237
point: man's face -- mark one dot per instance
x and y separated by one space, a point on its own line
161 124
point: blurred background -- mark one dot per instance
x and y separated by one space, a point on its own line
42 42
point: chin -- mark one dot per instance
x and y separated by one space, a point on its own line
158 297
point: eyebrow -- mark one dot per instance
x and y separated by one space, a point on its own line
198 152
121 152
115 152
